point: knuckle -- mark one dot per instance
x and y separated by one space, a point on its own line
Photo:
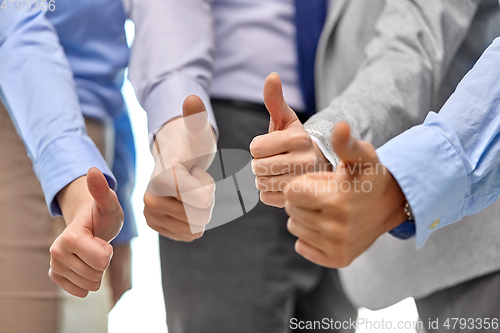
102 263
153 203
311 158
256 147
56 252
151 222
206 202
69 238
56 267
146 198
291 226
301 139
53 276
303 164
339 231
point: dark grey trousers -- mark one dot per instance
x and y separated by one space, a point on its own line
245 276
471 302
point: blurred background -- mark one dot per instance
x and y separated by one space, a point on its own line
142 309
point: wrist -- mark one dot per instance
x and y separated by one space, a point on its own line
323 163
398 213
73 198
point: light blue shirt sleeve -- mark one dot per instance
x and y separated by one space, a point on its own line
38 91
449 167
97 58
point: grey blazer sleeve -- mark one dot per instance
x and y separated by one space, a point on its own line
404 63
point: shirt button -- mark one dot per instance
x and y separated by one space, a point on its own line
435 224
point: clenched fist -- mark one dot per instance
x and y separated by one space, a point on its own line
337 216
286 151
180 196
81 254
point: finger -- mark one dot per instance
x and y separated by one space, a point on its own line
74 263
308 218
350 150
273 183
311 253
275 199
275 143
67 285
104 197
305 191
282 164
177 209
177 237
302 232
163 182
162 221
197 188
94 251
61 269
281 114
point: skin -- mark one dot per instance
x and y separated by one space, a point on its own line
180 197
82 253
284 153
334 226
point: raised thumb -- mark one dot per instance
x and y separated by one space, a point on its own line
281 114
98 187
348 149
194 113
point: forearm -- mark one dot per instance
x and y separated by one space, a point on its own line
49 121
449 167
74 197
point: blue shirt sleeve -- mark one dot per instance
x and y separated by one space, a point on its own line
449 167
124 171
38 91
98 58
